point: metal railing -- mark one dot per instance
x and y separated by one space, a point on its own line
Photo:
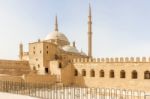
48 91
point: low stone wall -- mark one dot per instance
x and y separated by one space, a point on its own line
14 67
34 78
11 78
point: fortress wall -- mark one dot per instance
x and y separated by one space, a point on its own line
14 67
10 78
112 60
124 83
14 64
34 78
67 75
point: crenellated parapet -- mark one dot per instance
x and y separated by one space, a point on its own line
114 60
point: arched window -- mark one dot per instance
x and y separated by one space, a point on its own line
111 74
92 73
122 74
46 70
38 65
60 65
83 72
134 74
102 74
75 72
146 75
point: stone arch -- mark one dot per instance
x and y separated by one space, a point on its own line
102 73
122 74
111 74
147 75
92 73
134 74
75 72
83 72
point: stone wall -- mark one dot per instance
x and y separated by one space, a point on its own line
14 67
40 53
34 78
116 59
67 74
11 78
63 73
140 65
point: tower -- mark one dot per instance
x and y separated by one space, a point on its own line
20 51
90 33
56 28
56 23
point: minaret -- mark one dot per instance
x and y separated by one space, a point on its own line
74 44
56 23
56 29
90 33
20 51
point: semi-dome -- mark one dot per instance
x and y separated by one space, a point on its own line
56 36
69 48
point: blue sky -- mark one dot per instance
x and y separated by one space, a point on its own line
120 27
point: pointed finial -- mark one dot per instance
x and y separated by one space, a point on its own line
89 9
56 23
21 43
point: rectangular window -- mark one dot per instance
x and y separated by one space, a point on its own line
46 70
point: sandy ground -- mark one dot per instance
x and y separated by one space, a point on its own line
14 96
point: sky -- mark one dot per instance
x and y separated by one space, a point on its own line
121 28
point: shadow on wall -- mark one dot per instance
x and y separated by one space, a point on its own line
70 76
79 77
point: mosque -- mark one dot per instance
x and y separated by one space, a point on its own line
55 60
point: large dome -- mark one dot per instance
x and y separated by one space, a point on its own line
69 48
56 35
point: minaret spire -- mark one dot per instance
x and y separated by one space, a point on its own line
56 23
20 51
90 10
90 32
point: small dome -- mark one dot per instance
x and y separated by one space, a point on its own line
69 48
56 35
82 53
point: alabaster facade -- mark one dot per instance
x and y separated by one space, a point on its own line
55 60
